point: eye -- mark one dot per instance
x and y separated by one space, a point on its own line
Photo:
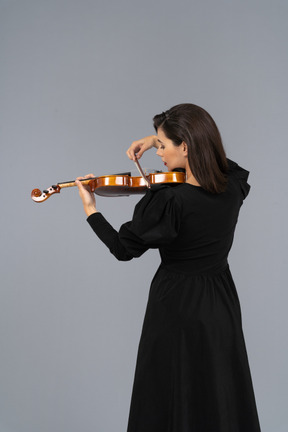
162 147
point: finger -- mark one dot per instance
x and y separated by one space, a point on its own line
128 153
88 176
139 153
91 184
81 186
131 154
78 182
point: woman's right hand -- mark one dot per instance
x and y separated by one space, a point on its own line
137 148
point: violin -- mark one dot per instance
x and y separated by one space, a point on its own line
116 185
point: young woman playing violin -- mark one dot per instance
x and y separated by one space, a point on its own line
192 372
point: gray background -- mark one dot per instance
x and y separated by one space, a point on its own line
80 80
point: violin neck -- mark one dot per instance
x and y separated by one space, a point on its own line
72 182
87 181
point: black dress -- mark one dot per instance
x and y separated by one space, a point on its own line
192 372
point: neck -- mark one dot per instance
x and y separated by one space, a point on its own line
190 177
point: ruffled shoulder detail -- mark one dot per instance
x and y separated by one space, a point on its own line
240 175
155 222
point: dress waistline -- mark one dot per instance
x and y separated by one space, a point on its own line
224 267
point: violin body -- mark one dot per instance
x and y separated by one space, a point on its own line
115 185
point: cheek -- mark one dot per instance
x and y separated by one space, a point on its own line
177 155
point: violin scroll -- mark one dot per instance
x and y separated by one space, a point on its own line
39 196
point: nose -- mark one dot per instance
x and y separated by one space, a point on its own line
159 152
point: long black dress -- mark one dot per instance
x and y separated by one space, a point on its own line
192 372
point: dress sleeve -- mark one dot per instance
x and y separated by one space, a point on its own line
155 223
241 176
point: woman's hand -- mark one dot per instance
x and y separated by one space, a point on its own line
137 148
87 195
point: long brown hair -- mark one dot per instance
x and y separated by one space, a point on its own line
206 155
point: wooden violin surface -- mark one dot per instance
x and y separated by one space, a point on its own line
114 185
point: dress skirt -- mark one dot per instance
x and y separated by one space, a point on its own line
192 372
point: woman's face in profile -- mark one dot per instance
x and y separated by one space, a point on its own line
171 155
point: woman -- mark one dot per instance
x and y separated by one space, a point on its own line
192 372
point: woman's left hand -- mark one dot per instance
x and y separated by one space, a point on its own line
87 195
